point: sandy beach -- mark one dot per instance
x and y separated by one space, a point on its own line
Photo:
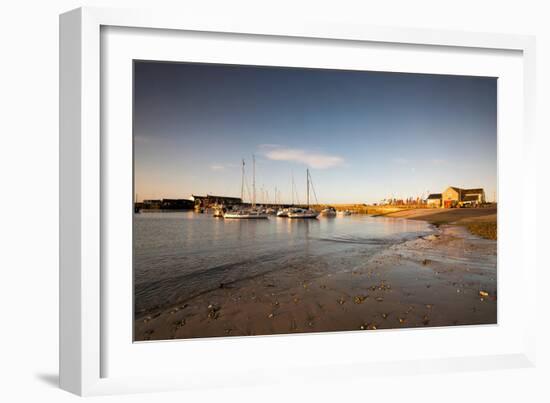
443 279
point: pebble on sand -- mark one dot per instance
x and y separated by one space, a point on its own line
179 323
213 311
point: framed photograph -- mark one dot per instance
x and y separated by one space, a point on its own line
244 200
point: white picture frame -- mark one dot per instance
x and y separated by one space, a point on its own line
85 343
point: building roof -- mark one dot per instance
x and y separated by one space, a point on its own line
223 197
435 196
464 192
472 191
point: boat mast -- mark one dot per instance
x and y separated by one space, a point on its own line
253 181
242 183
292 186
307 180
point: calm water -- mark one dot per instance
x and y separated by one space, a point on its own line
180 255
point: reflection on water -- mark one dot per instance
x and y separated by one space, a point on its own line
179 255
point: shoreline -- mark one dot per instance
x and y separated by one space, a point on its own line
479 221
435 280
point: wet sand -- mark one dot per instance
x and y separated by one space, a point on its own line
444 279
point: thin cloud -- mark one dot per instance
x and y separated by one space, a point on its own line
311 159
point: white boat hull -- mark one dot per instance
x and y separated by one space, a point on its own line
282 213
303 214
247 216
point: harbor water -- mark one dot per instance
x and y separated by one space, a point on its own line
180 255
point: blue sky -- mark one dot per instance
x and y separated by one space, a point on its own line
365 136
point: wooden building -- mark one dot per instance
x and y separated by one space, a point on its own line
434 200
456 197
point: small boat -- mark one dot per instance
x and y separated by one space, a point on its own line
246 214
282 212
218 211
328 212
307 212
303 213
345 212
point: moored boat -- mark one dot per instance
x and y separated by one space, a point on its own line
282 212
301 212
218 211
328 212
246 214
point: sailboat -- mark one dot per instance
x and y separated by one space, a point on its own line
307 212
250 213
283 212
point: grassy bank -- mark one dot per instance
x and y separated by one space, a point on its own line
479 221
484 229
